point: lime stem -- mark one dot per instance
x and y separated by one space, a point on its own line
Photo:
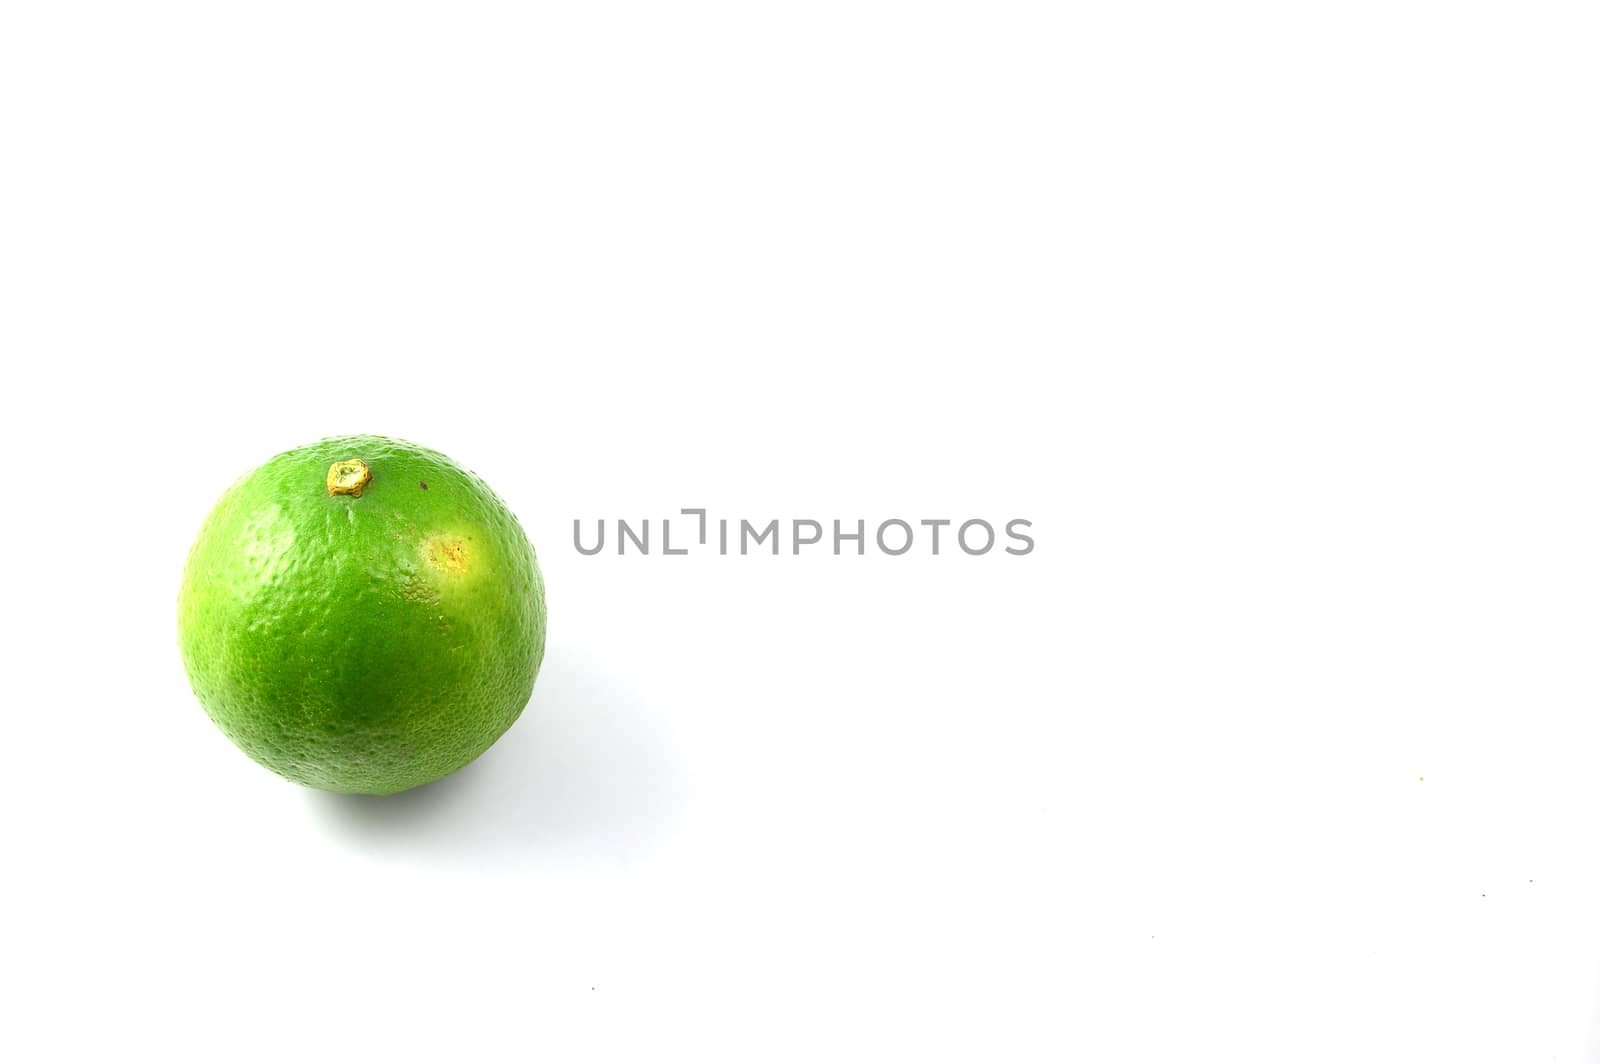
348 477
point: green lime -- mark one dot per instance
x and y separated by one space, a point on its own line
362 615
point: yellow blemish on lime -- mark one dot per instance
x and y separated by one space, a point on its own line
447 553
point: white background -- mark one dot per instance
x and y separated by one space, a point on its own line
1277 320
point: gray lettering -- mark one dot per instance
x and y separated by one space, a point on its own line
884 546
577 541
745 530
666 539
643 545
798 542
702 516
961 536
936 524
1010 527
805 532
860 537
